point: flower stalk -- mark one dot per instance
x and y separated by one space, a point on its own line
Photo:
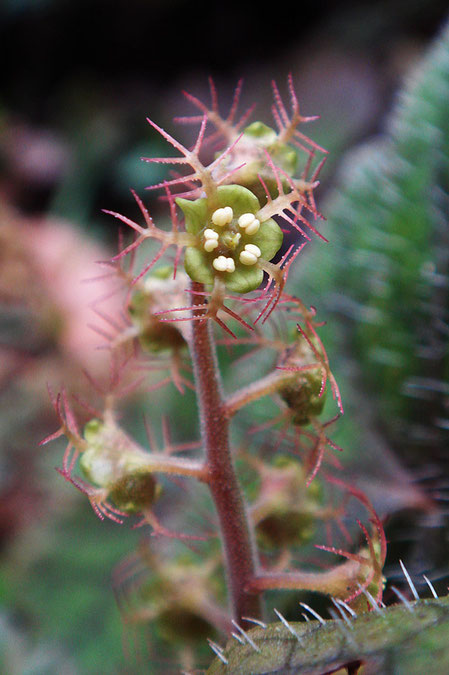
236 533
228 226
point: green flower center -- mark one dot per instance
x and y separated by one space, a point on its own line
231 239
224 239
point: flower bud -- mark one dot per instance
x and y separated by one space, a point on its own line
303 393
159 292
134 491
257 139
113 461
284 511
181 597
303 396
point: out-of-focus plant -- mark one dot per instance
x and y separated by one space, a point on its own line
43 330
45 303
389 285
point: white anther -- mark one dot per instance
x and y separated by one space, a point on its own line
222 217
253 227
220 263
210 245
246 219
247 258
230 265
253 249
210 234
223 264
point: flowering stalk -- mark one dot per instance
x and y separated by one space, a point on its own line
228 227
238 541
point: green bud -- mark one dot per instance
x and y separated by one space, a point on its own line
257 139
179 595
112 460
302 392
264 134
302 396
163 272
92 429
134 491
284 529
159 292
284 512
283 155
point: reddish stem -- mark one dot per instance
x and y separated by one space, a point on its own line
236 533
269 384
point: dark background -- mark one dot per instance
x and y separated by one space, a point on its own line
80 73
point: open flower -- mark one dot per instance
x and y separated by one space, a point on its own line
232 242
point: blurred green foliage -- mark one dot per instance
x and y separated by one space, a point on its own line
383 280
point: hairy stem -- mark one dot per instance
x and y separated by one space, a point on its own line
236 533
177 466
339 582
265 386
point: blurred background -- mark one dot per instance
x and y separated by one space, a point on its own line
78 80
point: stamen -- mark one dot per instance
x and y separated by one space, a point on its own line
254 227
249 223
210 245
223 264
210 234
229 213
230 265
246 219
220 263
247 258
222 217
253 249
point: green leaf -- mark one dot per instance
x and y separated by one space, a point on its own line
402 639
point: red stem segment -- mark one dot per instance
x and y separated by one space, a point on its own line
238 545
